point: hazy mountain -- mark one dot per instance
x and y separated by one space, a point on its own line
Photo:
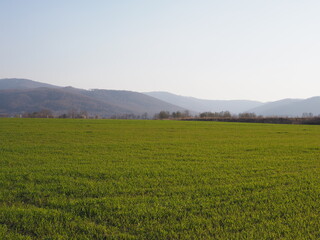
20 83
289 107
15 99
135 102
201 105
59 101
22 95
269 108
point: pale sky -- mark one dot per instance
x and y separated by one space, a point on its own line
252 49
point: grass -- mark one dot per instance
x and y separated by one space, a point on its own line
127 179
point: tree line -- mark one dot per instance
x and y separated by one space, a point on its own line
183 115
186 114
173 115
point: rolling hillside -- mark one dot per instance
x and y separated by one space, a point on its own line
21 96
21 83
19 101
289 107
284 107
18 96
136 102
201 105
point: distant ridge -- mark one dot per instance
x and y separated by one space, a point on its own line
21 83
201 105
283 108
290 107
18 96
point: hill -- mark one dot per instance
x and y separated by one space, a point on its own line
289 107
202 105
22 95
133 102
284 107
18 96
21 83
139 103
59 101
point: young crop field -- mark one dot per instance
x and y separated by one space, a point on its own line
136 179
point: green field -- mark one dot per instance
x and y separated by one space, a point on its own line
127 179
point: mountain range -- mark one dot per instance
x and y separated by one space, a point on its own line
282 108
202 105
18 96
